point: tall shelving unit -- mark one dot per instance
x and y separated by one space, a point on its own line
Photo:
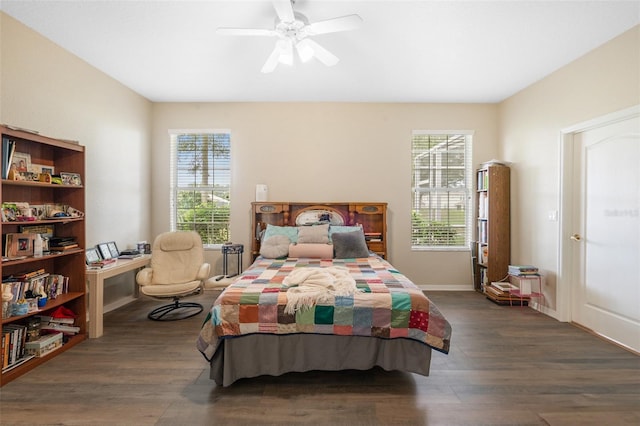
493 224
63 156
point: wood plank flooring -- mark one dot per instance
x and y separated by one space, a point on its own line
507 366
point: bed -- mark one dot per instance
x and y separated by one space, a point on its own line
335 305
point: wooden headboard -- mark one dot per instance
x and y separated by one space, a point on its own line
371 216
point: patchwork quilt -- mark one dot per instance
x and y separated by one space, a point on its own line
387 305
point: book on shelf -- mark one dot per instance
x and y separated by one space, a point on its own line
8 149
17 336
64 247
522 270
64 328
44 344
44 319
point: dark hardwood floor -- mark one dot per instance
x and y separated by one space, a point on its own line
507 366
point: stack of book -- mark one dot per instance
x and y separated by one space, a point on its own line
501 293
62 243
99 264
523 270
56 324
373 236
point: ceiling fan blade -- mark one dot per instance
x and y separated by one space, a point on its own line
272 61
286 52
284 10
343 23
323 55
245 32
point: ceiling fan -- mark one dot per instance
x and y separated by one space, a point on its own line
293 30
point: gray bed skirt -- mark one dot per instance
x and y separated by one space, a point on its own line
266 354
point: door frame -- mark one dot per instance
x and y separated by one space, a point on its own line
565 278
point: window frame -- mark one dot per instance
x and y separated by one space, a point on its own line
175 188
467 191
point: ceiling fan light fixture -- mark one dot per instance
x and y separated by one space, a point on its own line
305 50
286 52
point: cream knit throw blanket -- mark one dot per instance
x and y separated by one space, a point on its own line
316 285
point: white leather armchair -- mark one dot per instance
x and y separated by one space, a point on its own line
177 270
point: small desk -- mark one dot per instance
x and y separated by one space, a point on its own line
95 279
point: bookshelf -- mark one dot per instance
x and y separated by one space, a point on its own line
48 158
493 224
371 216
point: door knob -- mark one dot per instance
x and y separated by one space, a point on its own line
576 237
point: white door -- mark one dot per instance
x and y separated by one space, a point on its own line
606 293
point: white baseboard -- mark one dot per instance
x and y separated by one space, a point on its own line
118 303
445 287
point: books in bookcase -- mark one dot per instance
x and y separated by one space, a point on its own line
14 337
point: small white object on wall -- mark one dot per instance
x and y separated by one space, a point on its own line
262 191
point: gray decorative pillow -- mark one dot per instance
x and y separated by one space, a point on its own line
316 234
275 247
350 245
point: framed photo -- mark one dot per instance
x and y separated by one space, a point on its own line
71 179
10 212
19 245
40 168
113 249
92 255
105 253
21 161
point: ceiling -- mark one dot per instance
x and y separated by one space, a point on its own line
405 51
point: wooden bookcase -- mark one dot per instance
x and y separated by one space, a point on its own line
62 156
493 224
372 217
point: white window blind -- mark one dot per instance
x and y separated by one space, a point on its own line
441 184
201 183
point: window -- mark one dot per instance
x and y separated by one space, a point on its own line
441 182
201 184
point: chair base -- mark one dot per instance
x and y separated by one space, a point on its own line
191 309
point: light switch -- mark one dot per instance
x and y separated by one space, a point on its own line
553 215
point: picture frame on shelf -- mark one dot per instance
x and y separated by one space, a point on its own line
113 249
41 168
10 212
19 245
71 179
22 161
92 255
105 253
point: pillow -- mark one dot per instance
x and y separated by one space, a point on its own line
350 245
275 247
290 232
314 251
316 234
341 228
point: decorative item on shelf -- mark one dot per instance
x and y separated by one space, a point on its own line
71 179
21 307
18 245
42 301
44 177
7 297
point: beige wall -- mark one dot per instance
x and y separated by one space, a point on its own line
603 81
327 152
47 89
310 151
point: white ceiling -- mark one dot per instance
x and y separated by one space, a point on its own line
405 51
